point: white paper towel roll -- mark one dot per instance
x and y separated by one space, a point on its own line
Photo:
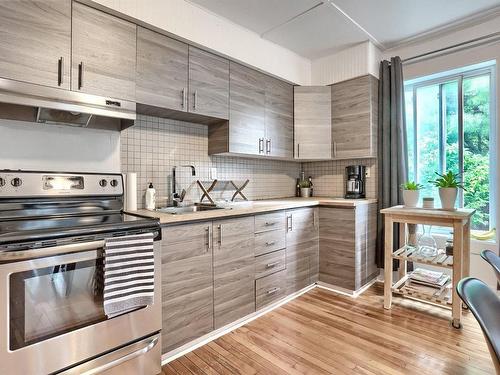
131 191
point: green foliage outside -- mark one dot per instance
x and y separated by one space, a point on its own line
476 121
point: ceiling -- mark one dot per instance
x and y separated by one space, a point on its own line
316 28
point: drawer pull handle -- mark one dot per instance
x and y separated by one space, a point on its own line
270 243
272 265
273 290
270 223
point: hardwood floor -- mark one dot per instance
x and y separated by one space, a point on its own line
322 332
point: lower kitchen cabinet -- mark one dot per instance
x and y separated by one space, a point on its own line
270 288
234 270
302 248
187 284
347 246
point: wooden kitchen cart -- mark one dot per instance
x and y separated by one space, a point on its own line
459 262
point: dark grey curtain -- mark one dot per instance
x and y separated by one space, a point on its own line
392 147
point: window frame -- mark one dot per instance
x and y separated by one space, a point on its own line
442 79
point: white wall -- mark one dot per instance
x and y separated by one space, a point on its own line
204 28
359 60
33 146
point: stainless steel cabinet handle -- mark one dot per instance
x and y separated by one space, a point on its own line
80 75
271 243
273 290
261 145
183 98
268 146
273 264
60 71
270 223
220 234
289 223
208 243
194 98
334 148
298 150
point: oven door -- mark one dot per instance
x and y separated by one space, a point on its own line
52 315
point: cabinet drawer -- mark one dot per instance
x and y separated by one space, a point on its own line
270 263
267 242
268 222
270 289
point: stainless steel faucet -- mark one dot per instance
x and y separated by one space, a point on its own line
176 197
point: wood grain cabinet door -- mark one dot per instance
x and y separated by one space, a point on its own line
302 247
103 54
246 110
162 71
313 122
234 270
187 284
35 41
279 118
208 84
354 118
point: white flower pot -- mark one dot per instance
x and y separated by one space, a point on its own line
410 197
448 197
305 192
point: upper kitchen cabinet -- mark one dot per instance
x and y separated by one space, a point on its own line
103 54
247 130
354 118
260 116
162 70
208 84
279 118
35 41
313 122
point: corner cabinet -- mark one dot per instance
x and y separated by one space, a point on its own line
355 118
313 122
347 239
103 54
302 248
35 43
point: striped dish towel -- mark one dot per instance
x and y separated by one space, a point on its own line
128 273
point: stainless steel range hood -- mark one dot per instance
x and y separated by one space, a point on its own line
29 102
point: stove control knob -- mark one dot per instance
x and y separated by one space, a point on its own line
16 182
103 183
2 181
114 182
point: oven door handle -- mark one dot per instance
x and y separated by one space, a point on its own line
16 256
146 346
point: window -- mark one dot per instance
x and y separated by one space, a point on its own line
449 120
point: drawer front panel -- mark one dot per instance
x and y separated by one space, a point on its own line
271 221
270 263
267 242
270 289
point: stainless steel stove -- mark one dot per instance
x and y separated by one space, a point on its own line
52 231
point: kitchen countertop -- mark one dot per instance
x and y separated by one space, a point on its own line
253 207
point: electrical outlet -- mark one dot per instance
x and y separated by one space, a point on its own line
213 173
368 172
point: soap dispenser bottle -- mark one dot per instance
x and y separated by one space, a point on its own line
150 197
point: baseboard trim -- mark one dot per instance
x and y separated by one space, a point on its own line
190 346
347 292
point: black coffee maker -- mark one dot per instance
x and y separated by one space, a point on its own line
355 183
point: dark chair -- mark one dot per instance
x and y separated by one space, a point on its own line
485 305
492 259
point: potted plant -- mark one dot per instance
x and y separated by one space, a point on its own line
448 184
305 188
411 192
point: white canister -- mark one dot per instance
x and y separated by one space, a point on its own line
150 197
